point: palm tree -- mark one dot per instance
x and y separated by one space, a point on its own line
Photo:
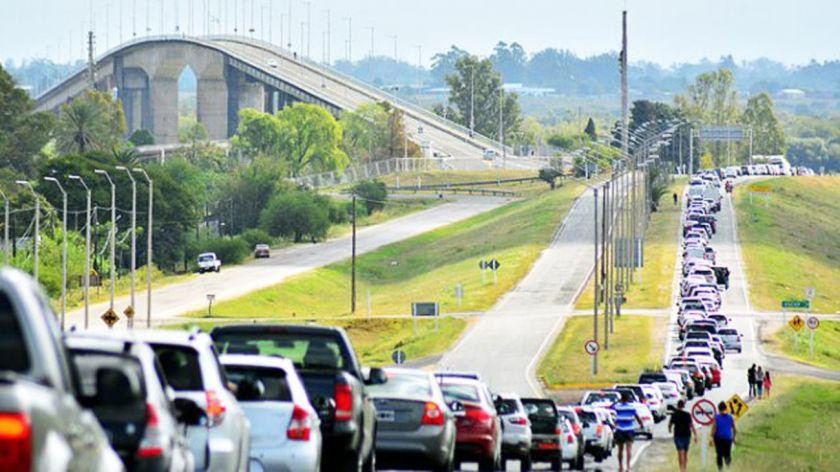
78 127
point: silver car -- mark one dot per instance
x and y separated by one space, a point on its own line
516 430
191 366
414 423
122 383
731 339
285 429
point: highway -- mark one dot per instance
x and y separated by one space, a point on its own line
172 300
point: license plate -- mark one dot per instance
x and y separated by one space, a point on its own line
385 415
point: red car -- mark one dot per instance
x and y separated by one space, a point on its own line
479 436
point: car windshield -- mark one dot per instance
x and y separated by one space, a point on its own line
311 351
601 397
403 384
728 332
540 408
259 383
180 365
587 416
97 387
460 392
205 258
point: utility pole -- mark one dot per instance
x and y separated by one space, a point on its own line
63 247
28 185
113 233
371 41
690 152
148 247
329 37
604 277
353 260
349 38
472 100
5 229
595 299
91 64
394 37
133 238
625 117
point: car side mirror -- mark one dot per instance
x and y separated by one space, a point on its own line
188 412
376 376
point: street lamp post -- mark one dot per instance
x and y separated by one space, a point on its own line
133 239
87 247
5 228
113 235
148 247
37 224
63 247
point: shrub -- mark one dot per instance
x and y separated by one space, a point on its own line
373 194
254 236
228 250
297 214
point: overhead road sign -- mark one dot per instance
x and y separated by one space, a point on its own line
722 133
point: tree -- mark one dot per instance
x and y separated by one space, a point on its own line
549 175
768 136
476 91
645 111
707 161
372 193
365 132
194 134
22 133
590 130
258 133
142 137
93 121
443 64
310 139
510 60
296 214
711 99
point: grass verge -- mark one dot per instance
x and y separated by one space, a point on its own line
637 344
798 428
788 234
426 267
375 339
653 284
826 344
395 208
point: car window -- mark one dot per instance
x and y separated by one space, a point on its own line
305 350
402 385
542 409
587 416
601 397
181 367
96 388
259 383
573 419
460 392
205 258
507 407
13 353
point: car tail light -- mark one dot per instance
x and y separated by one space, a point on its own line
300 426
576 427
521 421
15 441
343 394
152 443
432 415
570 438
599 430
558 431
479 414
215 408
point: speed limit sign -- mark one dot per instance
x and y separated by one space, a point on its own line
591 347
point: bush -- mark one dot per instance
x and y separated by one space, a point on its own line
254 236
373 194
142 137
228 250
549 175
297 214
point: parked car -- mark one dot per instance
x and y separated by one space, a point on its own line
285 429
262 251
44 426
479 435
576 460
596 432
192 369
333 378
516 430
121 382
415 424
208 262
546 434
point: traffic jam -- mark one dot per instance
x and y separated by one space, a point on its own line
274 397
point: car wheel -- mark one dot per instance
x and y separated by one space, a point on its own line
555 464
525 463
218 269
578 465
487 464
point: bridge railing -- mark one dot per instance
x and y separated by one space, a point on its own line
373 170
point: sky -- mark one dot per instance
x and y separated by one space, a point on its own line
662 31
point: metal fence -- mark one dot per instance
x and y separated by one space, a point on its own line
372 170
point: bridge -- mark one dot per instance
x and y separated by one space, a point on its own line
234 73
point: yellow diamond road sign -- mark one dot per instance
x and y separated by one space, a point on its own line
796 323
110 317
129 312
737 406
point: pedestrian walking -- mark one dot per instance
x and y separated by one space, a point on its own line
767 383
683 428
723 435
759 382
751 380
625 429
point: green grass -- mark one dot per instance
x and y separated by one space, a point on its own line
653 283
798 428
826 344
75 296
393 209
790 241
375 339
426 267
637 344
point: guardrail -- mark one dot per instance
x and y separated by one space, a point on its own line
476 183
455 190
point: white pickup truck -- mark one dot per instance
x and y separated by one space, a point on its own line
208 262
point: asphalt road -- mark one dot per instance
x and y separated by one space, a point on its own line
172 300
506 343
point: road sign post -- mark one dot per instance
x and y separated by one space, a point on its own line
459 293
813 323
424 309
494 265
398 357
703 412
482 265
210 298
